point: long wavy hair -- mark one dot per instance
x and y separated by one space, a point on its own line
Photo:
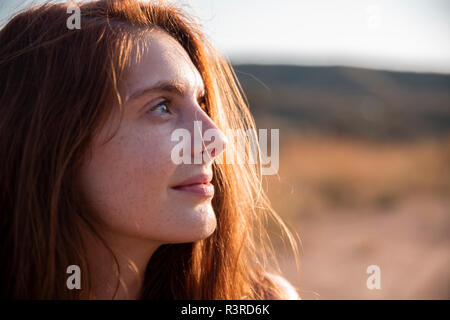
57 89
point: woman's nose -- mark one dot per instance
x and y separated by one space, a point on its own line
209 140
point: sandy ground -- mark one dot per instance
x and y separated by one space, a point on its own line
409 241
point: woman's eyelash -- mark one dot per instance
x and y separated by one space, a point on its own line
202 101
164 102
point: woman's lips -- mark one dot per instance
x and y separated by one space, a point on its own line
198 185
200 189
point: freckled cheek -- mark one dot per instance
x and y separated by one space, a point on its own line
152 166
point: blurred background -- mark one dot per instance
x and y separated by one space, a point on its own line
360 93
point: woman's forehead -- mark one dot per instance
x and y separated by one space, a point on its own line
161 58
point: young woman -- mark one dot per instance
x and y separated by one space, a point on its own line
88 178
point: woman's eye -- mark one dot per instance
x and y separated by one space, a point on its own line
161 107
202 102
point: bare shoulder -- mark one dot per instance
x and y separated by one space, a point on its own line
286 288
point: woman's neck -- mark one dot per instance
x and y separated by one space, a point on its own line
132 256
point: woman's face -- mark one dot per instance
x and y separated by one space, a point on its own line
131 181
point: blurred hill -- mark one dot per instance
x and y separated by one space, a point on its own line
348 101
364 176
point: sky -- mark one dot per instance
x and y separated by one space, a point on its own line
404 35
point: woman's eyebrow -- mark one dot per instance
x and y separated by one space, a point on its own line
164 85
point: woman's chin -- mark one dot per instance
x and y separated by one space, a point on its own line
202 224
194 224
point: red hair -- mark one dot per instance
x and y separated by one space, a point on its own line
57 87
